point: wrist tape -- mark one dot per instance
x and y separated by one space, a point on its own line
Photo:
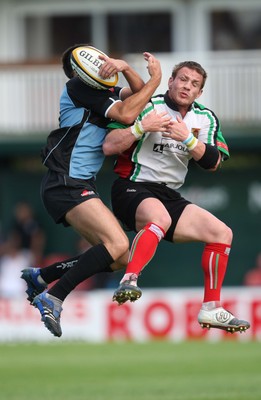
137 130
191 142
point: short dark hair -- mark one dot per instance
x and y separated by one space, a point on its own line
192 65
66 59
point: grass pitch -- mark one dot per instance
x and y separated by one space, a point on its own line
199 370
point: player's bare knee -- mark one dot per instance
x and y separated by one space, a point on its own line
229 235
123 246
164 221
118 247
225 235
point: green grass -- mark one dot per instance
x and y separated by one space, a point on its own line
200 370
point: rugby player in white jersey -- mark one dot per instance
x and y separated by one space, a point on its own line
152 166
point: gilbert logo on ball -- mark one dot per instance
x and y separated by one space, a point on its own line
86 63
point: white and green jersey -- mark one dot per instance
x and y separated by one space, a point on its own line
164 160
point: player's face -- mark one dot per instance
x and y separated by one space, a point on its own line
186 87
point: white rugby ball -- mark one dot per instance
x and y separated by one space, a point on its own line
86 63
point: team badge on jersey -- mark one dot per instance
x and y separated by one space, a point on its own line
195 131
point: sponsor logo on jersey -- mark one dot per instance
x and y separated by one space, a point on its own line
131 190
175 146
158 147
169 147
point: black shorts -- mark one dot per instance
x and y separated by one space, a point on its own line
127 195
60 193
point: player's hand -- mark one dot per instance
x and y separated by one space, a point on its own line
154 122
111 66
154 67
177 130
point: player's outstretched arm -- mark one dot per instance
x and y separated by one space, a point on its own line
127 111
133 78
112 66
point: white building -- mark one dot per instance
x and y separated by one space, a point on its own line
225 36
41 29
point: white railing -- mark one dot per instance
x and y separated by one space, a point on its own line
29 100
233 85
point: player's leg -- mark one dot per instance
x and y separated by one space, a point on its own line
37 279
59 196
95 222
197 224
152 221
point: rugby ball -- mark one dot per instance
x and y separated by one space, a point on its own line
86 63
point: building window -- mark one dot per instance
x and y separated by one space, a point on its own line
236 30
136 33
67 31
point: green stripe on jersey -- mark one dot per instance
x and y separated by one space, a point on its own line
214 125
117 125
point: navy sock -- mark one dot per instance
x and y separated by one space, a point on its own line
58 269
95 260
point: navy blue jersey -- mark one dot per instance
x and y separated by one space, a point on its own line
75 149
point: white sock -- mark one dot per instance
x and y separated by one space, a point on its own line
210 305
127 277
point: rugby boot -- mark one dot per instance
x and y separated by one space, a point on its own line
128 290
222 319
34 287
50 308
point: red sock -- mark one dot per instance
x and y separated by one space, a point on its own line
214 264
143 247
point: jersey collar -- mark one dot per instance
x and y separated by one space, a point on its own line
171 104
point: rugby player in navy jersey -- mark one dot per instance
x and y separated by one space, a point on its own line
73 156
